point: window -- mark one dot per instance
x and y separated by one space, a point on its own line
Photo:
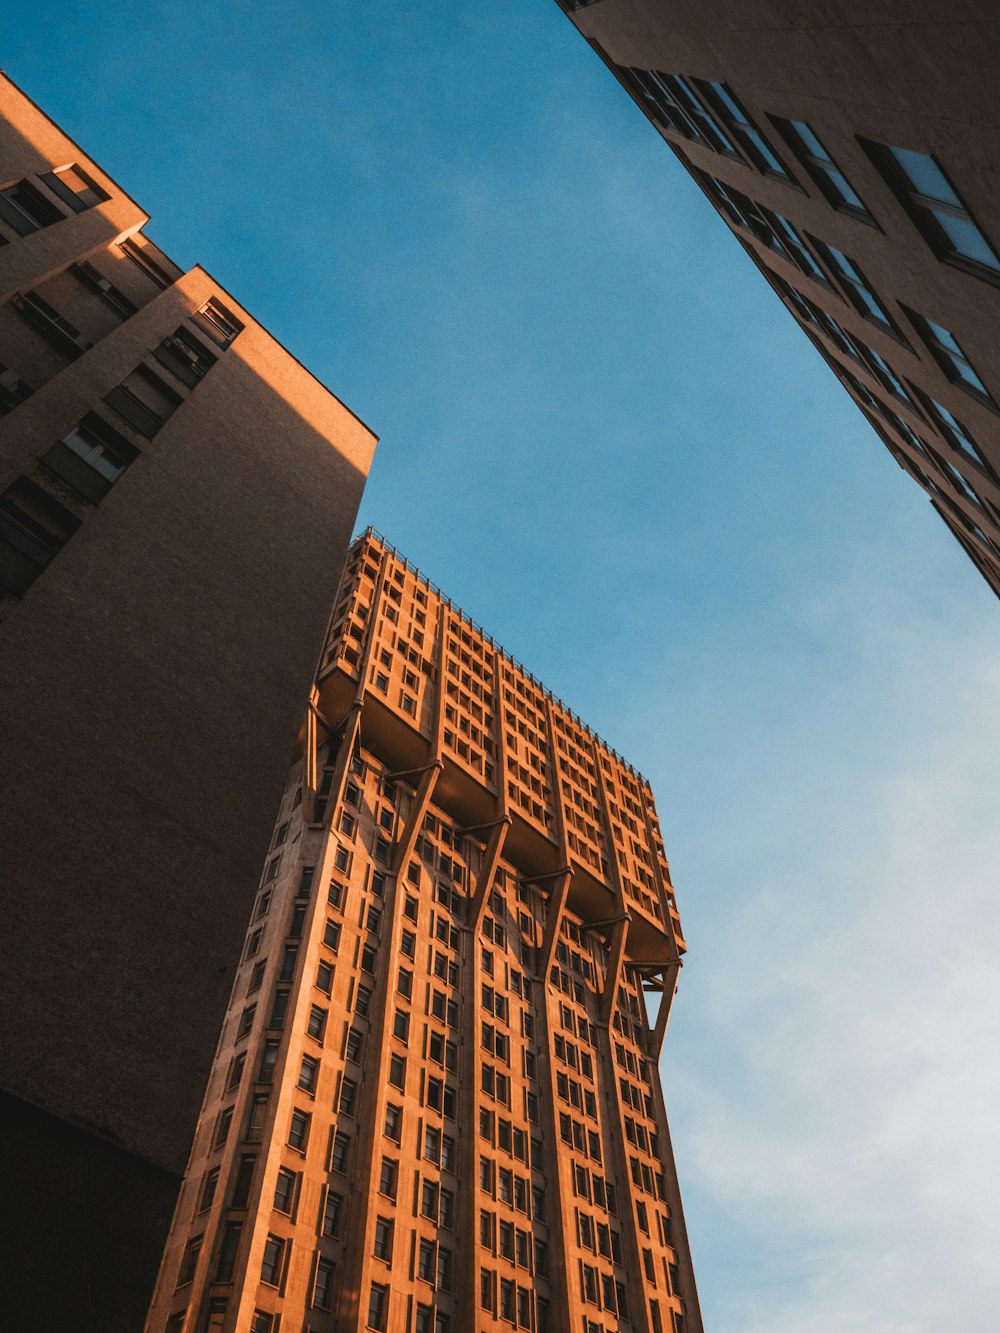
383 1239
284 1190
264 1322
363 1001
278 1009
317 1017
721 98
956 434
832 182
186 357
298 1132
332 1207
190 1261
33 528
208 1189
324 982
215 320
112 297
352 1047
323 1290
26 209
63 336
74 187
947 352
255 1118
348 1092
387 1177
443 1268
308 1075
331 935
426 1260
935 208
339 1151
268 1060
857 289
401 1024
12 390
222 1126
393 1122
274 1253
144 400
378 1306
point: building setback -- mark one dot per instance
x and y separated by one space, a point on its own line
435 1104
854 155
176 495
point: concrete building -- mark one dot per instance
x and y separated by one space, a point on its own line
853 150
435 1104
176 496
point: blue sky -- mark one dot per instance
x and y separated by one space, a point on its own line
604 437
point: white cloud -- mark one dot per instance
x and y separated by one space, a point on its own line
834 1071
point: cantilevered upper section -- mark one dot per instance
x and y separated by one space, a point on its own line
437 687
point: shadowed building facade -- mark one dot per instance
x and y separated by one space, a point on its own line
435 1104
176 494
853 150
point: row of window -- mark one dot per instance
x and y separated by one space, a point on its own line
34 525
708 113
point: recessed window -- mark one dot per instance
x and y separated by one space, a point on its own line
378 1306
857 288
948 353
220 324
33 528
957 434
382 1248
25 209
74 187
284 1190
274 1254
738 122
91 457
144 400
935 208
113 297
186 357
323 1290
13 390
833 184
387 1177
298 1130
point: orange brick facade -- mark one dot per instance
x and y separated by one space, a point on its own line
435 1104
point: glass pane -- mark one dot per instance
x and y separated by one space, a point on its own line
925 175
967 239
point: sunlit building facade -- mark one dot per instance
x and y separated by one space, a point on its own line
435 1105
855 157
176 496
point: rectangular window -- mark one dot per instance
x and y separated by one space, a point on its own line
857 288
298 1132
832 183
947 352
144 400
186 357
274 1254
383 1239
935 208
26 209
33 528
219 323
737 121
378 1306
387 1177
74 187
332 1209
339 1151
308 1074
284 1190
323 1290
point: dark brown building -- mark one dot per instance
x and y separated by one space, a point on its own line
176 496
852 148
435 1105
